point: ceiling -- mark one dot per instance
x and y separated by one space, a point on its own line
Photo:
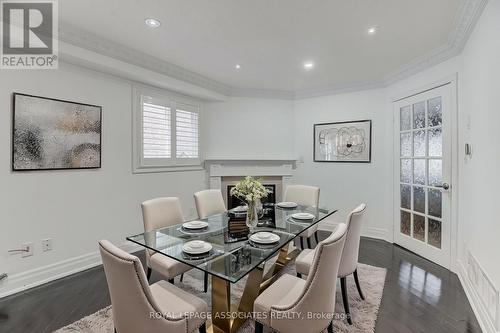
271 39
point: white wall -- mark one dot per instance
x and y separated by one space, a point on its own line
479 230
480 180
345 185
76 208
249 128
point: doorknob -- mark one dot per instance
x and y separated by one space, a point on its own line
444 186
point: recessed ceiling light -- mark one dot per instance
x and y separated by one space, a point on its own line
152 23
372 30
238 66
309 65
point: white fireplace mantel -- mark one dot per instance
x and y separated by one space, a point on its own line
219 168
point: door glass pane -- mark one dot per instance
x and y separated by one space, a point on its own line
419 143
435 117
435 203
434 237
406 196
405 222
419 227
405 117
419 199
435 172
419 115
419 171
406 171
435 142
406 144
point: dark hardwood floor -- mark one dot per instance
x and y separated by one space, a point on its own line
419 296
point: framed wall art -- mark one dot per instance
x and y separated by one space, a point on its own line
52 134
348 141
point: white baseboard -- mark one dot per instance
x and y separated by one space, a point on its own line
370 232
29 279
487 325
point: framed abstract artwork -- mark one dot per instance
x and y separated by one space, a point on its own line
52 134
348 141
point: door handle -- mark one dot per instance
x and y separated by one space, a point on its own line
444 186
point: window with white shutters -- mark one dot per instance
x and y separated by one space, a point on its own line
187 133
156 131
167 133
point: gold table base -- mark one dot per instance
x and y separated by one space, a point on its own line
226 319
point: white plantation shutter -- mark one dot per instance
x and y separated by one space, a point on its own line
156 131
166 133
187 133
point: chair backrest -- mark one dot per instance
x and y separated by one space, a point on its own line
161 212
318 295
209 202
350 255
302 195
131 299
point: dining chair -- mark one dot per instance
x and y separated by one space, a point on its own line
349 263
160 213
139 307
307 196
209 202
278 305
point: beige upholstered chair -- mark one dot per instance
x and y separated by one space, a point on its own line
349 263
160 213
307 196
138 307
290 295
209 202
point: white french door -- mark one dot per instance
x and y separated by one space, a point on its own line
423 149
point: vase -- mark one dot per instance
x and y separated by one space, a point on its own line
253 214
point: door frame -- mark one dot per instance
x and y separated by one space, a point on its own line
453 81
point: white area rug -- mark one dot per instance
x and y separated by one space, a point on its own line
364 313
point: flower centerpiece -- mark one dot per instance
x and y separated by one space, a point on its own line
250 190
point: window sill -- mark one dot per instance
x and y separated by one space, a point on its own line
160 169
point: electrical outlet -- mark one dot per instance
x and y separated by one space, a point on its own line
29 249
47 244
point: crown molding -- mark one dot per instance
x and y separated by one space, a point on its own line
84 39
465 20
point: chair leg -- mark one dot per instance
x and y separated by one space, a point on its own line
182 277
299 275
149 273
205 282
301 243
115 330
309 242
316 237
343 286
356 279
171 281
330 327
259 328
203 328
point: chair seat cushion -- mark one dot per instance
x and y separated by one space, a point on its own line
303 261
166 266
282 292
175 302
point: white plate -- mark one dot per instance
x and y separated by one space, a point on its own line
303 216
264 237
195 225
196 247
287 204
240 209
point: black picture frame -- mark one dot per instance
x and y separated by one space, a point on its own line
369 145
15 95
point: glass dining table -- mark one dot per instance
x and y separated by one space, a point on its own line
233 257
